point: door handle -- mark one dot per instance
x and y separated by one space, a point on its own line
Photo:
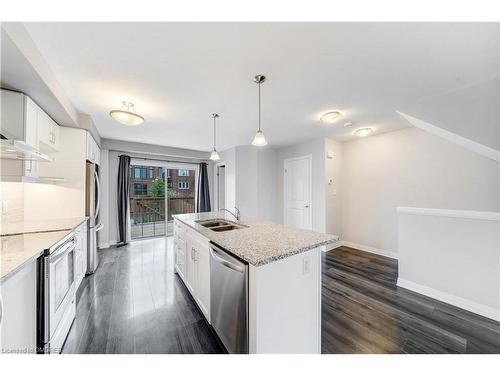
226 263
306 206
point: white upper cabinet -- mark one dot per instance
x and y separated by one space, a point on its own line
48 132
93 150
26 121
31 122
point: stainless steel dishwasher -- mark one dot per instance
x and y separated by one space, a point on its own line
229 299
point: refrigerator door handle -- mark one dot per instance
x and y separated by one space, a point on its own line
98 195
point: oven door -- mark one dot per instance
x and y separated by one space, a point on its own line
62 281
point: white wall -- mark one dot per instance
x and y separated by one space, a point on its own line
409 168
333 200
453 256
229 158
267 190
316 148
251 176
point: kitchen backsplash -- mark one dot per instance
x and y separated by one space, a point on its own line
30 207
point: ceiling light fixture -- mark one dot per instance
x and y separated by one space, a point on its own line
363 132
126 115
330 117
347 124
259 139
214 155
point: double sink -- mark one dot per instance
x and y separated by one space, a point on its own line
220 225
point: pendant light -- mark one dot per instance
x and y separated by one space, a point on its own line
214 155
259 139
126 115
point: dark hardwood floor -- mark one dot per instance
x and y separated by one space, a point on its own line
363 311
134 303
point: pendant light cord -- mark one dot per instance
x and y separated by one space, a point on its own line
259 106
214 133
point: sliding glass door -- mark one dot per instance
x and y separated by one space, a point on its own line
181 193
156 194
147 201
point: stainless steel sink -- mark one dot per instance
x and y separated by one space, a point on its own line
220 225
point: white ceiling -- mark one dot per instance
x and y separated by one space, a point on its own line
177 74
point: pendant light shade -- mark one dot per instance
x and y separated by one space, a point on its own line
259 139
126 115
214 156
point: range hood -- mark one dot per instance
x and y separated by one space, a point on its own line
19 150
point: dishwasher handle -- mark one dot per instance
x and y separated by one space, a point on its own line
235 267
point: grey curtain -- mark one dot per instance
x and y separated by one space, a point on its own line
203 201
123 201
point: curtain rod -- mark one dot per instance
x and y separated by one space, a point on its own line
163 160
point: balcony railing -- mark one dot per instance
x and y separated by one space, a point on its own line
147 214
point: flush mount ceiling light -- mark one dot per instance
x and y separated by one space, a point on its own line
214 155
259 139
347 124
330 117
363 132
126 115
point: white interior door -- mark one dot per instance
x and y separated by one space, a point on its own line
297 186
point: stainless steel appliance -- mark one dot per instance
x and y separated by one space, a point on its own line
229 299
55 295
92 202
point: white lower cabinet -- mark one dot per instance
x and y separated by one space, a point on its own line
18 311
192 263
80 265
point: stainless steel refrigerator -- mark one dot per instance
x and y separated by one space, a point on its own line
92 202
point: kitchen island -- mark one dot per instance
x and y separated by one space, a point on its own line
282 282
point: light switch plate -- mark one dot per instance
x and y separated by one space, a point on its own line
329 154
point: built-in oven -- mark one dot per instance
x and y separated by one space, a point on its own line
56 295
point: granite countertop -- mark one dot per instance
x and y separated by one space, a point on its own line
33 226
17 250
260 242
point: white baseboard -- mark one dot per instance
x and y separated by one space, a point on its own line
327 248
477 308
370 249
107 245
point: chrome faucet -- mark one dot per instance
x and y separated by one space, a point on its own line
236 215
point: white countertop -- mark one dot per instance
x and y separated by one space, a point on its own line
261 242
18 249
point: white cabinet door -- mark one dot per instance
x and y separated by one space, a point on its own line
97 153
31 123
79 255
202 288
30 167
18 315
89 147
54 140
93 150
180 249
190 280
